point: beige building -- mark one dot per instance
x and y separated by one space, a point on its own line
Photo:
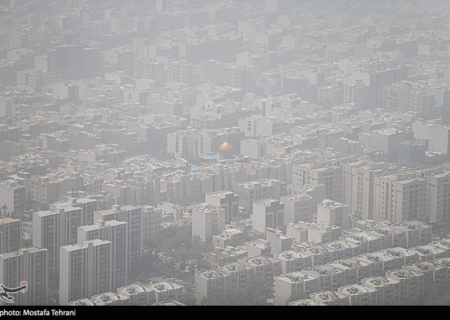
167 291
240 275
438 135
334 212
358 181
434 274
401 197
180 143
329 298
258 248
236 276
297 208
445 278
429 252
207 281
343 249
438 185
374 264
226 200
320 173
268 214
104 299
387 140
330 277
359 295
250 192
389 237
207 221
279 242
319 254
47 189
323 232
350 269
257 125
412 283
356 267
291 285
221 257
253 148
292 261
402 256
85 270
222 240
367 242
306 302
265 268
416 232
298 231
388 289
137 294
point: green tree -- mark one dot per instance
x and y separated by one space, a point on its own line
240 239
150 244
189 296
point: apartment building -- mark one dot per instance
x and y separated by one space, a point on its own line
85 270
12 195
268 214
412 283
320 173
10 235
252 191
359 186
167 291
207 221
292 261
297 208
227 200
401 197
388 289
151 223
257 248
29 265
279 242
293 284
334 212
438 188
103 299
298 231
47 189
359 295
329 298
116 232
133 217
